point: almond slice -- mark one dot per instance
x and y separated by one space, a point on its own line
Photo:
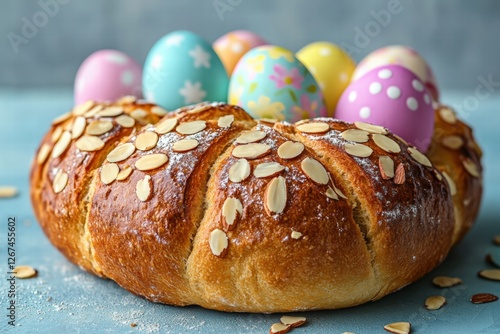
452 142
121 152
146 140
190 128
124 173
81 109
446 281
43 153
293 321
386 143
279 328
438 175
139 115
401 139
481 298
89 143
24 272
78 127
225 121
276 195
250 137
151 161
166 126
290 150
268 120
60 181
125 121
496 240
490 274
98 127
251 151
92 112
451 183
56 134
199 109
127 99
313 127
330 193
185 145
230 209
355 135
386 166
218 242
109 173
143 188
398 327
314 170
7 191
337 190
296 235
61 145
419 157
435 302
448 115
371 128
159 111
110 112
61 118
267 169
358 150
471 167
400 174
239 171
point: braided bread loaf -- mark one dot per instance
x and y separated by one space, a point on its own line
208 206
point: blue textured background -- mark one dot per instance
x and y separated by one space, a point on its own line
458 37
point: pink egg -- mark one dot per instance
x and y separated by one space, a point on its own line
233 45
107 75
393 97
403 56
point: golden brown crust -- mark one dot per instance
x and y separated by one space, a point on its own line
453 147
329 229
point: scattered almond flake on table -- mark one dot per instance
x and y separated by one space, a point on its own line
24 272
446 281
8 191
494 258
490 274
279 328
435 302
496 240
481 298
398 327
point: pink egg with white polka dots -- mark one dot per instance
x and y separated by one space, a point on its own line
107 75
393 97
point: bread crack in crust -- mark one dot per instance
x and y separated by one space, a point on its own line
207 206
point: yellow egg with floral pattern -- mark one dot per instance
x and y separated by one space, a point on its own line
332 68
270 82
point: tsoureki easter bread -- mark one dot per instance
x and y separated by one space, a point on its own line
208 205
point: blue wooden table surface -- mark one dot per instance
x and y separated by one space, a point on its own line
65 299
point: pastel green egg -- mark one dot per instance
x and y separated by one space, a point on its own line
183 69
270 82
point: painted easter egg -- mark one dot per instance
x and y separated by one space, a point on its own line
107 75
393 97
183 69
403 56
270 82
332 68
233 45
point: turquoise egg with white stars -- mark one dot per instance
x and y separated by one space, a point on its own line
183 69
270 82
